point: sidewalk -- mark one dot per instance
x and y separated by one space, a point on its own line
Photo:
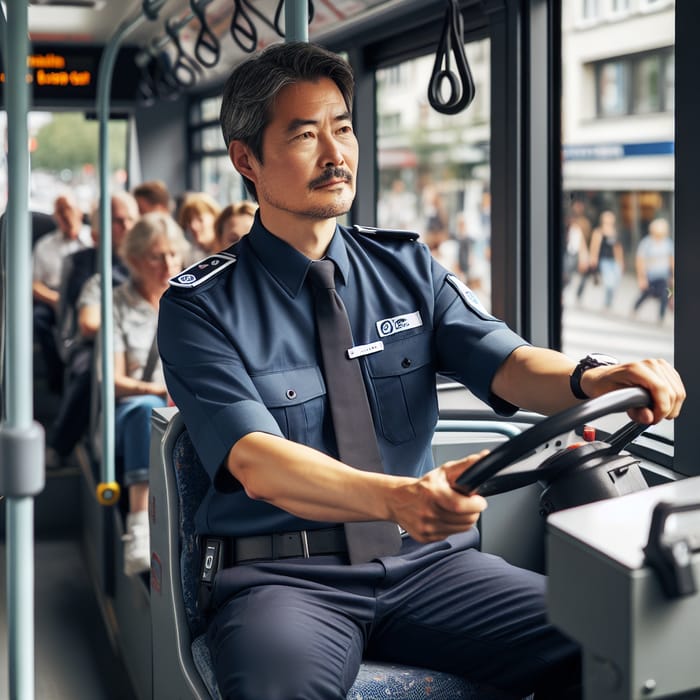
625 296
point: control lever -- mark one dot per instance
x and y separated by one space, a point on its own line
671 555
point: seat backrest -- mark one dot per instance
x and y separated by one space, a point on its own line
192 483
173 501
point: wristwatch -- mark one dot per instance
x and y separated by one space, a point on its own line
595 359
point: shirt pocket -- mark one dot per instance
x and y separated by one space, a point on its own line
296 399
403 379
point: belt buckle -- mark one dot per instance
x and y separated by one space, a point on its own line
305 543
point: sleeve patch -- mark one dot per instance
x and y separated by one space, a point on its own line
393 233
470 299
203 270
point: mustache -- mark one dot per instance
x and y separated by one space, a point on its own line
331 174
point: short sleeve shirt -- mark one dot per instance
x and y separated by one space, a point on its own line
657 256
135 322
49 252
240 354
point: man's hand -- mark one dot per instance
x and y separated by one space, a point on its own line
429 508
658 377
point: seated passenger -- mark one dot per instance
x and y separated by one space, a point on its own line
196 217
153 195
234 222
76 339
47 258
153 252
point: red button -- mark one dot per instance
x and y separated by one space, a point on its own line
588 433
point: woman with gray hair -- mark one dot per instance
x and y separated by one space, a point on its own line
153 251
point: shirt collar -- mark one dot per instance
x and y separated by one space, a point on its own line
286 264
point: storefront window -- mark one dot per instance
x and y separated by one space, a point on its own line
434 170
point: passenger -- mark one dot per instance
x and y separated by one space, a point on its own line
196 216
47 259
77 336
153 251
153 196
289 615
234 222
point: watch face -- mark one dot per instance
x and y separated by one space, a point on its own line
596 359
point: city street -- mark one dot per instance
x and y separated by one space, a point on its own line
587 326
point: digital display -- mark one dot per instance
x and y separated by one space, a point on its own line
58 74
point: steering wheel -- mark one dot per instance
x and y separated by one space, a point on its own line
483 477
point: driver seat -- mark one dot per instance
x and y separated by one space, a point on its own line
182 665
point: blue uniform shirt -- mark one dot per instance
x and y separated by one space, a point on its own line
240 354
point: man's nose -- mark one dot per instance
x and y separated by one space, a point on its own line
331 153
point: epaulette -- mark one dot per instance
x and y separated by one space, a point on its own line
394 233
203 270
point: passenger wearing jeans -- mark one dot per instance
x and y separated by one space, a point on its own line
290 616
153 251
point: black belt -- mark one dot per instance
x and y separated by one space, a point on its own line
284 545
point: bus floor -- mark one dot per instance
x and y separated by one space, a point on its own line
74 659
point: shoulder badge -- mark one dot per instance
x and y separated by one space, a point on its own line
396 234
469 298
203 270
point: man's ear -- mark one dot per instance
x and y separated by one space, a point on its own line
243 160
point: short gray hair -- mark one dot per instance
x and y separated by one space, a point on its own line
253 86
146 230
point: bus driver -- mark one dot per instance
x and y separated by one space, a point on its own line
251 363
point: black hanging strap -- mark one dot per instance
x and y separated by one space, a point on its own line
207 48
243 30
183 67
461 85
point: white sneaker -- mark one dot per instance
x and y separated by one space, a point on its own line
137 547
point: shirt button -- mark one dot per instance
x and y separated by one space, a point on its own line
291 394
406 362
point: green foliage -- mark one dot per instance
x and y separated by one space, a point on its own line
69 141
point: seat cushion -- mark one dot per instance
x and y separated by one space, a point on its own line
377 681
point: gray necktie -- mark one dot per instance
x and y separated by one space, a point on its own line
352 418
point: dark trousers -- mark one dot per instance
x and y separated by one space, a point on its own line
658 289
73 415
299 628
44 335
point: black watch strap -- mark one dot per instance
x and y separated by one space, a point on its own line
575 382
592 360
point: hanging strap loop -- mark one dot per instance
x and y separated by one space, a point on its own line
243 30
461 85
183 67
207 48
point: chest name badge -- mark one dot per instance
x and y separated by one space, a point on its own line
389 326
368 349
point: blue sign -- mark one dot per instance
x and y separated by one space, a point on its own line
610 151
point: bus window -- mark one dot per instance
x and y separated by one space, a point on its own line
618 183
434 169
64 151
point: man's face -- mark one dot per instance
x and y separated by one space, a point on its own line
68 216
122 221
309 156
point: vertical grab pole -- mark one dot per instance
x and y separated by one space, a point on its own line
296 20
21 439
108 489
